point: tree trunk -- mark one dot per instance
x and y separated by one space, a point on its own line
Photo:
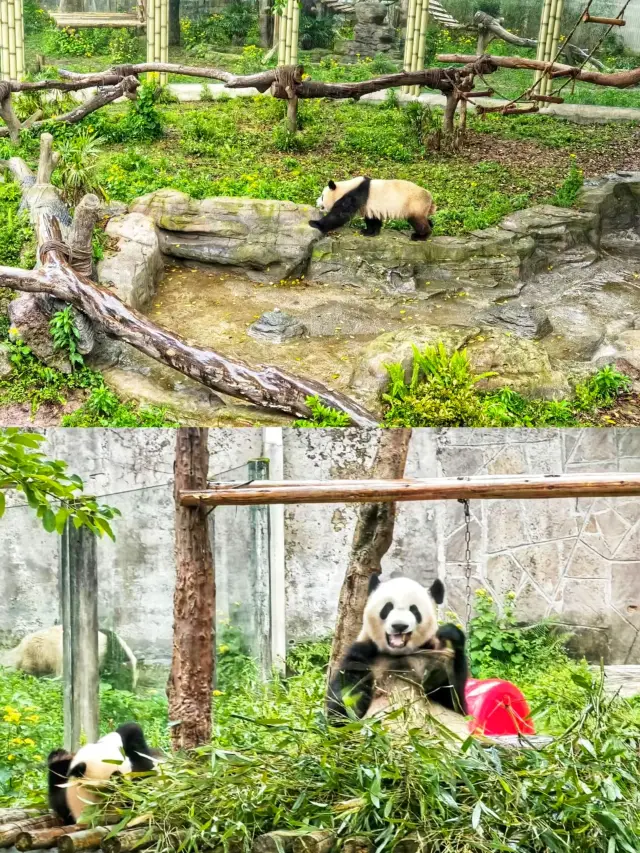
371 541
174 23
265 22
192 666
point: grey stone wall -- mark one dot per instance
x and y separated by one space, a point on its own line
578 560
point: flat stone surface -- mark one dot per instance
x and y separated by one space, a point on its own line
135 268
624 678
276 326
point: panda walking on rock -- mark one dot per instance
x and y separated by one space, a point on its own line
400 621
376 201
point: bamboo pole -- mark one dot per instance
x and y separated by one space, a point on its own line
555 40
164 38
548 43
408 40
19 19
13 68
422 39
282 34
295 32
4 40
151 29
289 33
434 489
414 43
542 40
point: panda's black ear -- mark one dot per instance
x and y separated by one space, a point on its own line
332 185
437 591
374 583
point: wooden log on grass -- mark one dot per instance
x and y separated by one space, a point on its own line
42 839
357 844
9 832
275 842
12 815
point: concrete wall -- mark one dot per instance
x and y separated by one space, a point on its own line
576 559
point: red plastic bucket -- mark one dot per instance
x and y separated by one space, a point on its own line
497 707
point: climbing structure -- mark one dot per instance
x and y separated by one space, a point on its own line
288 27
11 40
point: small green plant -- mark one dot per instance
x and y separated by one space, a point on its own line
322 416
124 46
441 391
601 390
66 336
77 169
571 186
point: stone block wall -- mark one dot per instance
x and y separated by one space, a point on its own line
576 560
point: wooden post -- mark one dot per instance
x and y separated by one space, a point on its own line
273 451
192 665
260 572
79 605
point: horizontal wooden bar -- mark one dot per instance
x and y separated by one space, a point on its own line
612 22
435 489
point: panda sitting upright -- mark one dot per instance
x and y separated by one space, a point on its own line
400 621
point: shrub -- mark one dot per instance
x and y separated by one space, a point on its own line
17 240
322 416
570 188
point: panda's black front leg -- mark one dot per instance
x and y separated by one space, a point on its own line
452 694
372 227
353 677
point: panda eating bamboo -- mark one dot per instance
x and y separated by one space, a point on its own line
376 201
399 630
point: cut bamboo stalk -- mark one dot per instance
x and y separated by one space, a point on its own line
86 839
151 18
9 832
41 839
408 40
414 44
13 815
549 44
131 839
320 841
4 40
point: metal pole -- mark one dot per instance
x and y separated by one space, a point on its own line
273 451
258 469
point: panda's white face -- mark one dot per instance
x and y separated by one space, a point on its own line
400 616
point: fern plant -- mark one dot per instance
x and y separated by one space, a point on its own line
66 336
323 416
78 166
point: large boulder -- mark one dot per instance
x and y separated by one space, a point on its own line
264 239
489 261
29 317
135 268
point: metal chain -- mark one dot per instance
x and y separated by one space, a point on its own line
467 555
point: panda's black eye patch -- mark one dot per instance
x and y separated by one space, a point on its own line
386 610
416 613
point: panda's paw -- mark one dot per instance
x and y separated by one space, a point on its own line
315 223
418 237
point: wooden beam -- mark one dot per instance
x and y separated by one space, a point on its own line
435 489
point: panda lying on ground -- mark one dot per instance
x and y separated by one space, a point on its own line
375 200
74 779
400 620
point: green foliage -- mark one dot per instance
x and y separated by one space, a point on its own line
104 408
316 32
570 188
230 26
17 240
53 493
65 335
322 416
77 169
124 46
234 664
442 392
601 390
35 18
141 123
68 41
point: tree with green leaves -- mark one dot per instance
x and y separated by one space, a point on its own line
51 491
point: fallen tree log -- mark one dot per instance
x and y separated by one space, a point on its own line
41 839
60 277
616 79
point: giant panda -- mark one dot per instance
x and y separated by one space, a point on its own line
41 653
400 620
73 780
375 200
